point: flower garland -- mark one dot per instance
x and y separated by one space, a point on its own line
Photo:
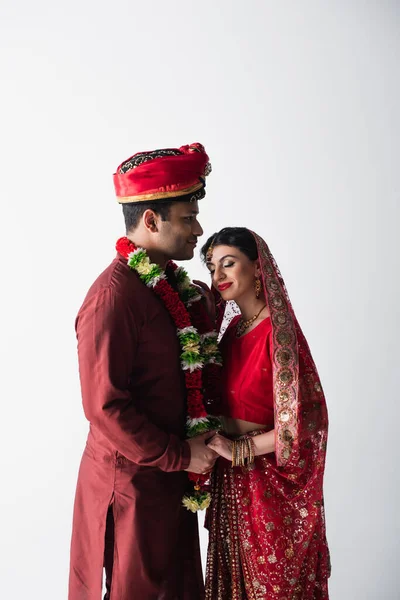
200 357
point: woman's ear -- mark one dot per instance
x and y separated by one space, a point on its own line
257 271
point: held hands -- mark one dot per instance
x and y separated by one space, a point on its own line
203 457
221 445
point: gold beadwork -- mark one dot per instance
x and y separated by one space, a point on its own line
257 286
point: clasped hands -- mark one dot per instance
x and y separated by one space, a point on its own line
205 450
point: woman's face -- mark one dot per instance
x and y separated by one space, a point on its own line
233 273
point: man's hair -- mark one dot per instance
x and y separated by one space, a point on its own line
133 212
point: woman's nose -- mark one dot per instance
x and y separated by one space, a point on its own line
219 275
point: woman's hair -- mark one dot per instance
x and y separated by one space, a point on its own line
238 237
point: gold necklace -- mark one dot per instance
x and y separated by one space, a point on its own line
243 325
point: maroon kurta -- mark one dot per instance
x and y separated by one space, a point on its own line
131 474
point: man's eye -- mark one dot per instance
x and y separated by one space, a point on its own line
189 219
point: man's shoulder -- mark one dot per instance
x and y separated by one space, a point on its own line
120 282
117 277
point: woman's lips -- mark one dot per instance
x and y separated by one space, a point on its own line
224 286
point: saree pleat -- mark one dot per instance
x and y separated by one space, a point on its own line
261 545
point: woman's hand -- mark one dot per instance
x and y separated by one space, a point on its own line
221 445
263 444
208 297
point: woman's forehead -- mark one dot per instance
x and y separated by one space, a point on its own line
220 252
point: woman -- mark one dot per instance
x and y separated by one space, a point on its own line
266 520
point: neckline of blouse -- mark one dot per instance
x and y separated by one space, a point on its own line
252 330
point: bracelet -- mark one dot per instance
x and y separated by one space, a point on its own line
243 451
251 449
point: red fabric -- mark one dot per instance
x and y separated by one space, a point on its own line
167 174
134 397
247 375
195 315
266 542
267 521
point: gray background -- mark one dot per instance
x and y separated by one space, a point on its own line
297 105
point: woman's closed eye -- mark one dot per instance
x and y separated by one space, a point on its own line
225 265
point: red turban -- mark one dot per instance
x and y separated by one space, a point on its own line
163 175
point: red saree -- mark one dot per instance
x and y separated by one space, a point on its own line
266 521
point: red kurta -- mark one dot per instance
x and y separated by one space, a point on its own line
131 472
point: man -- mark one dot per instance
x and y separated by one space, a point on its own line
128 512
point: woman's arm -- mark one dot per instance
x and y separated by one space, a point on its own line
263 444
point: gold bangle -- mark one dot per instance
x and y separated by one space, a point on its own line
250 449
235 454
243 451
238 453
243 444
246 440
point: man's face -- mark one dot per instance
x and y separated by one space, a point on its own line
178 235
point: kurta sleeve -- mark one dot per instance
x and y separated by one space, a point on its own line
107 345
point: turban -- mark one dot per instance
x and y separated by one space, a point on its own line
166 174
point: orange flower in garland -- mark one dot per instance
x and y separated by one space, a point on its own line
199 349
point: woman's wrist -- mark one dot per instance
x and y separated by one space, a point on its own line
243 451
264 443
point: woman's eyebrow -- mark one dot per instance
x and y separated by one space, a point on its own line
226 256
222 258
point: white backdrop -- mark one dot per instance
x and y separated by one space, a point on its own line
297 104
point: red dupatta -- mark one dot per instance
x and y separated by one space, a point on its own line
301 418
299 401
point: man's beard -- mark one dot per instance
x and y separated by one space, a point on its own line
186 253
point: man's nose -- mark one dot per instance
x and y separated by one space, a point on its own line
197 229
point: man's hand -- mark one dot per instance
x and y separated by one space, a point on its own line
202 458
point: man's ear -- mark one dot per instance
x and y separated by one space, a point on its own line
150 220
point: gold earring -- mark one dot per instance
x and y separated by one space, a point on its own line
257 286
210 250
